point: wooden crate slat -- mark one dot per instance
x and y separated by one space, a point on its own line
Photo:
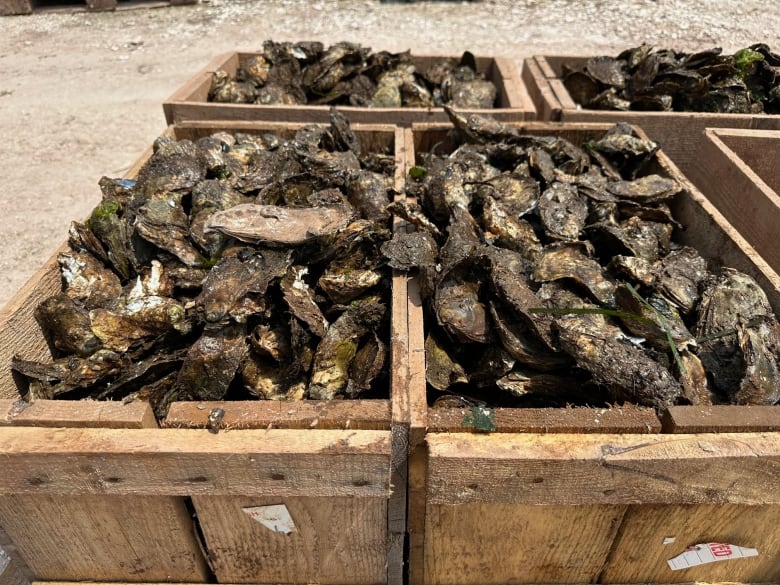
267 414
538 544
86 537
336 540
95 536
721 418
189 102
194 462
640 555
628 419
737 170
83 414
606 469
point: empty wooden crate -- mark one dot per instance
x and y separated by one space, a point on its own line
589 495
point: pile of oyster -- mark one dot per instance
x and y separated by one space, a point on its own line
348 74
666 80
235 266
550 276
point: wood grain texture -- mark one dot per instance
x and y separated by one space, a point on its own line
189 102
541 94
721 418
90 537
13 570
676 583
628 419
501 543
756 148
266 414
19 332
86 414
336 541
418 468
639 554
194 462
607 469
738 189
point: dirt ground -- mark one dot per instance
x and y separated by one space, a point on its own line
81 93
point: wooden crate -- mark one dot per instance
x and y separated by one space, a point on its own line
189 102
739 172
95 491
14 7
586 495
680 134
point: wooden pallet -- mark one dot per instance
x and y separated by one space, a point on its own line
588 495
680 134
189 102
16 7
94 491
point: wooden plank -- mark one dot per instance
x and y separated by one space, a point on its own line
88 413
607 469
721 418
101 536
502 543
76 537
11 7
194 462
13 570
721 173
558 583
640 555
756 148
19 332
189 101
337 540
271 414
418 468
547 105
627 419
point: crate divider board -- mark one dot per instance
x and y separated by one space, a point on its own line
328 463
190 101
680 134
738 171
499 507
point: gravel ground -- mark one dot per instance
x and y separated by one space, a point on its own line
81 93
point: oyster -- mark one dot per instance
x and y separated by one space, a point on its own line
738 337
337 349
157 307
644 78
349 74
271 224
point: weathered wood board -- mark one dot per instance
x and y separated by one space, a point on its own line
738 171
190 101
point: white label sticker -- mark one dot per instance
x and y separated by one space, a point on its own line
669 540
5 560
710 552
276 517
